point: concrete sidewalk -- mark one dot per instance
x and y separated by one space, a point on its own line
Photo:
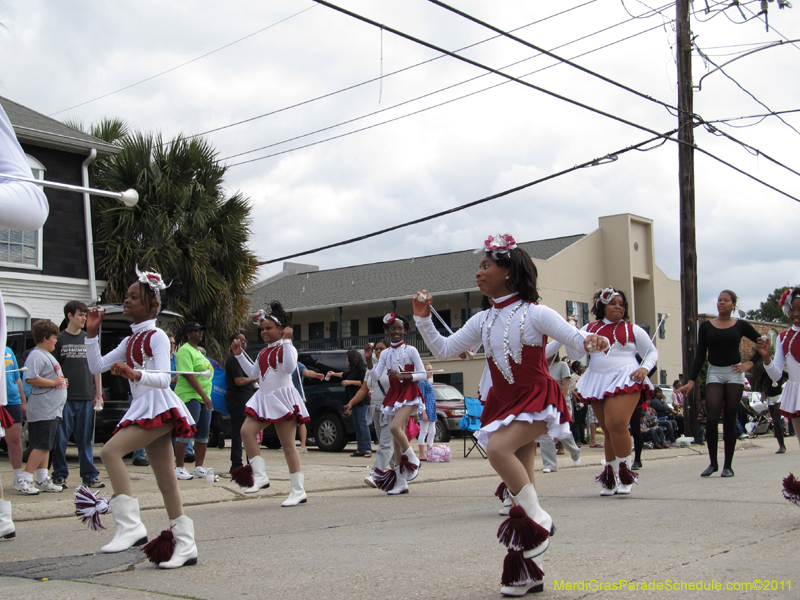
324 471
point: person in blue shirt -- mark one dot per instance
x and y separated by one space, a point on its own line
16 409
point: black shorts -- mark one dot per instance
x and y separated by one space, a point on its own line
43 435
15 410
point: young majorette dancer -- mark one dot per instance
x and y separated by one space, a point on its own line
402 400
276 401
522 401
155 416
787 355
22 206
615 384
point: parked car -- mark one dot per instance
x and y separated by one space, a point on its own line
449 410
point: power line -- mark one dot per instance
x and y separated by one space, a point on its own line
426 96
544 91
759 117
611 157
186 63
752 149
398 71
741 87
551 55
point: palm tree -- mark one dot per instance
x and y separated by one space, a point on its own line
183 226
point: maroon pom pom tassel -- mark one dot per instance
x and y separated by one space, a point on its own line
407 467
606 478
520 532
243 476
518 570
502 491
160 549
626 476
791 489
384 480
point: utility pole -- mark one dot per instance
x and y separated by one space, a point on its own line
687 212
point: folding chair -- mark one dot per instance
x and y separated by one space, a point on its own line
470 423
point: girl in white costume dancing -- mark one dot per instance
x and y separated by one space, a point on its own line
276 401
155 416
522 401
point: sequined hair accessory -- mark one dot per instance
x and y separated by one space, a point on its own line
154 281
498 245
389 319
262 315
607 295
786 300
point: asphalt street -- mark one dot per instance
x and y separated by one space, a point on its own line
438 541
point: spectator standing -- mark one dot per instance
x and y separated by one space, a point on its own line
427 415
720 338
297 380
45 404
240 388
561 373
352 380
84 393
16 409
579 416
196 394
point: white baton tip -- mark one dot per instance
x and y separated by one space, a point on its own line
130 197
421 297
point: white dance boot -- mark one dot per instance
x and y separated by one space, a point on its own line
184 552
130 529
625 476
7 529
400 483
260 479
528 527
298 494
409 464
609 482
529 578
507 504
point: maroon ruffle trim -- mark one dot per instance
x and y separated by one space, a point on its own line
6 420
531 399
790 415
292 416
180 426
645 394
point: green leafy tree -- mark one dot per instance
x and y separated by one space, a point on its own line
769 311
184 226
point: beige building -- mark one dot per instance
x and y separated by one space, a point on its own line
340 308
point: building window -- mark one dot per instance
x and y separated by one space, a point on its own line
334 329
297 332
662 331
353 328
316 331
579 310
662 376
23 248
445 314
375 326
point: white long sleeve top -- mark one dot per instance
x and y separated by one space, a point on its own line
397 357
620 355
159 344
274 377
780 361
503 332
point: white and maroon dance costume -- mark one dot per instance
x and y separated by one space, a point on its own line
401 357
154 404
787 355
609 374
517 387
276 398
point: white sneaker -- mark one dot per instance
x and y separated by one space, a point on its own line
25 486
48 486
199 473
370 481
577 463
547 470
182 473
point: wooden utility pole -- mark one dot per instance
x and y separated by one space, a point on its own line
686 184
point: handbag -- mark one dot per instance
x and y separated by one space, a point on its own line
440 454
412 429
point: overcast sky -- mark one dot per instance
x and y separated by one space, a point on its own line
56 55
